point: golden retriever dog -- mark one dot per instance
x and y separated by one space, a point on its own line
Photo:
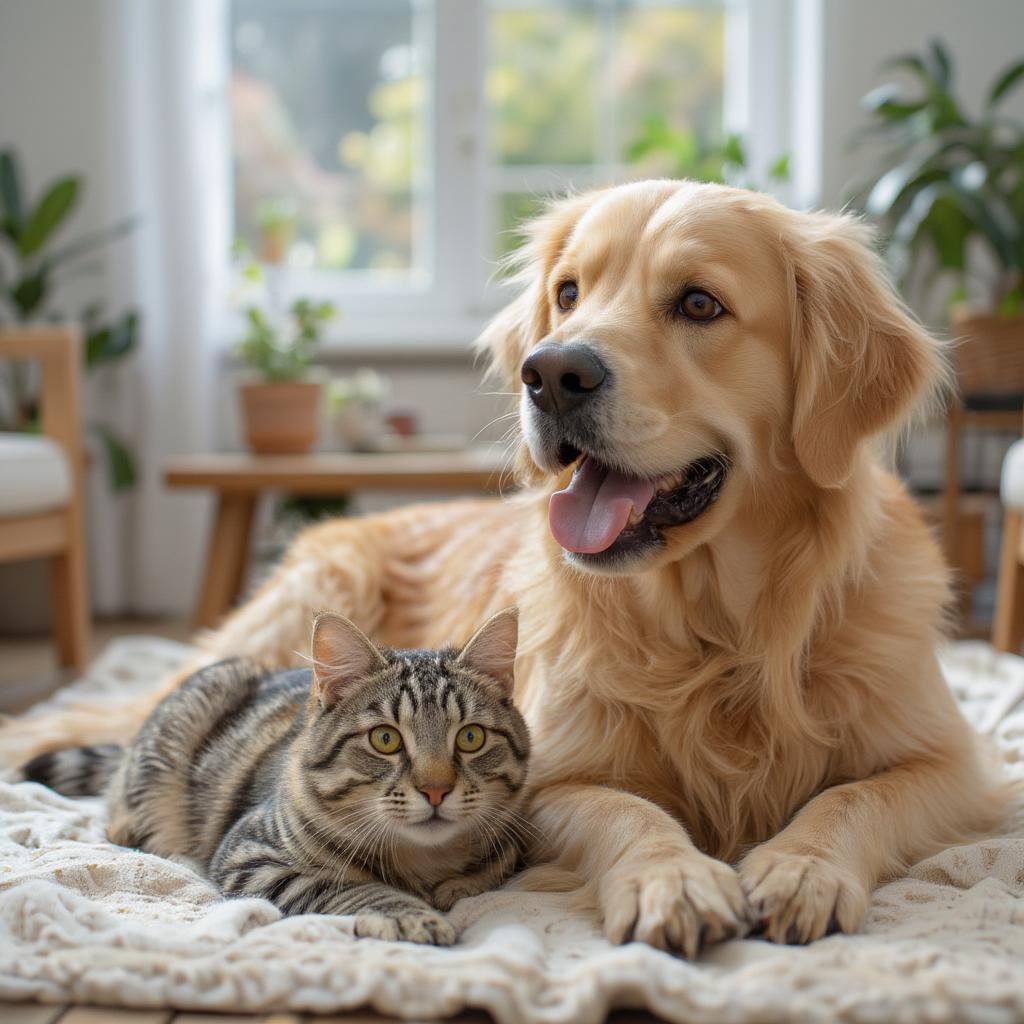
729 608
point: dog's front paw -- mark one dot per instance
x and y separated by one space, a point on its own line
426 928
798 898
679 903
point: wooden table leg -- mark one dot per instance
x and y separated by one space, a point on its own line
1008 625
951 484
72 629
226 558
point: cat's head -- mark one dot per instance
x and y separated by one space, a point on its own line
425 746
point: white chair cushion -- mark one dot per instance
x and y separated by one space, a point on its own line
34 475
1011 484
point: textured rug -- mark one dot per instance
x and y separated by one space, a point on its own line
87 922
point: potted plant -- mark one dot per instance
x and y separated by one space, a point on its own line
277 230
949 198
281 410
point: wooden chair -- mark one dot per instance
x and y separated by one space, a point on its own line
1008 625
989 361
42 481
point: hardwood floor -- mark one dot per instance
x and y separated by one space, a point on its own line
28 665
35 1013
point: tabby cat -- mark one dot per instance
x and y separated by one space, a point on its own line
380 783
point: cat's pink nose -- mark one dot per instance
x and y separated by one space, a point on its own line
435 794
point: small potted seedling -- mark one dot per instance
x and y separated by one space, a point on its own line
277 230
281 409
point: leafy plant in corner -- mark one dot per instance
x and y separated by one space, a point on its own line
948 179
30 268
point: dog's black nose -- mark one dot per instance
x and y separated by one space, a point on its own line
562 377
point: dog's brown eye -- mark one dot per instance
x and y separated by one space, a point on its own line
568 293
700 306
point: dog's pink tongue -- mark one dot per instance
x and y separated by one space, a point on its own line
593 510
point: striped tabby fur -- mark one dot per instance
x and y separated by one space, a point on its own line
80 771
272 781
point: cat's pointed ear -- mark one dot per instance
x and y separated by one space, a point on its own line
342 654
492 648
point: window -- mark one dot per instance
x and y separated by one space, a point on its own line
572 89
329 104
387 149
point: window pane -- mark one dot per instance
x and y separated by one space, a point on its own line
329 105
514 210
669 71
540 84
589 92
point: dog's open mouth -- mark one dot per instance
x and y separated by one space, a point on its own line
606 511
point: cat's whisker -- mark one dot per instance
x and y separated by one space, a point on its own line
491 838
517 826
357 850
524 823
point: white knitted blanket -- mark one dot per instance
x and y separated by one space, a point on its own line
84 921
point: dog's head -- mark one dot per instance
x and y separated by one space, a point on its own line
681 346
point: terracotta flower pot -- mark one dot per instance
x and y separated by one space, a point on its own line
281 418
275 243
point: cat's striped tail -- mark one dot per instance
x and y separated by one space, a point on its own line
77 771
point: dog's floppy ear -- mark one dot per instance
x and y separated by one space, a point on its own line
861 361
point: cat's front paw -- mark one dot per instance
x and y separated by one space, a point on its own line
424 927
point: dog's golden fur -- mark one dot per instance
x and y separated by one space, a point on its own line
750 725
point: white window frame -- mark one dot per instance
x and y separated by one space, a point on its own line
773 68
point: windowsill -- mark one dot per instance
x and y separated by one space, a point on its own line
413 338
411 333
394 351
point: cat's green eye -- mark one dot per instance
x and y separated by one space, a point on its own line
386 739
470 738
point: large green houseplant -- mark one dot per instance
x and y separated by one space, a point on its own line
949 192
32 265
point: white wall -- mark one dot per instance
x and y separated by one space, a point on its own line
56 101
859 35
98 87
52 90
